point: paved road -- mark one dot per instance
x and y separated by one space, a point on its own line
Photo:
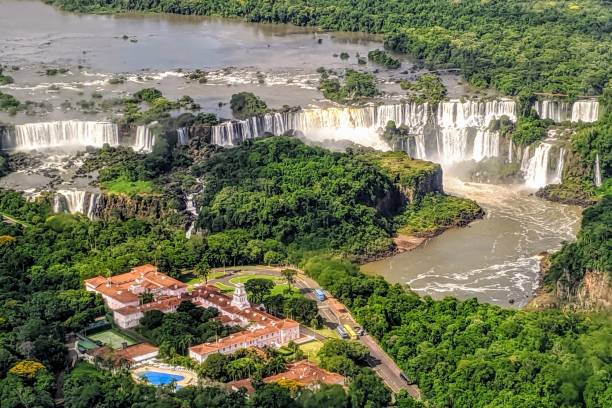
380 362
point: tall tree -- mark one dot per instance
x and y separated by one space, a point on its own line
289 275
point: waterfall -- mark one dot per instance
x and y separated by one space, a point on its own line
93 205
597 171
461 127
76 201
144 140
458 120
359 125
585 111
525 160
560 111
73 133
510 151
486 144
183 136
537 169
191 208
557 111
559 171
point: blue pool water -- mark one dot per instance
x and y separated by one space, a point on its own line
156 378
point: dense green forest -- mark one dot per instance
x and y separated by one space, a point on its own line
45 257
514 46
88 387
592 250
460 353
280 188
310 199
466 354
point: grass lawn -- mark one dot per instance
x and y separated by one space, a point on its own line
122 185
311 349
244 278
112 338
280 290
224 288
327 332
192 279
83 368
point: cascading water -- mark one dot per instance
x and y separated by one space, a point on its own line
559 171
76 201
144 140
458 121
585 111
70 133
525 160
597 171
537 170
183 136
510 151
558 111
462 127
93 205
191 208
561 111
359 125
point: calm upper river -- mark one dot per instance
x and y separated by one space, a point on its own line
33 32
277 62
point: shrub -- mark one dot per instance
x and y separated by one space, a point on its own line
245 104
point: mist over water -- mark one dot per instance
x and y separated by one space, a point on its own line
494 259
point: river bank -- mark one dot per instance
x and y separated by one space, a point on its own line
494 259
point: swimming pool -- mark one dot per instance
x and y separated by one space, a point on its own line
156 378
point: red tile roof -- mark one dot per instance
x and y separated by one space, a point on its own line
243 337
163 304
119 287
306 374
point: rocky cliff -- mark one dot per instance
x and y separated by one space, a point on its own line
414 178
124 207
591 293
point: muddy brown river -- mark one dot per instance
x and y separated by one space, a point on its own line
494 259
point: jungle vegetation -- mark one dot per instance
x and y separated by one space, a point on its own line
467 354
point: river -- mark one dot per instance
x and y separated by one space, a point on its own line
277 62
494 259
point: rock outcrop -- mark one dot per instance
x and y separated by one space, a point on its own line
124 207
592 293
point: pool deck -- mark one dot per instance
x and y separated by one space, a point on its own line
188 377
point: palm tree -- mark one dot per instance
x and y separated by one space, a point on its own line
202 270
185 341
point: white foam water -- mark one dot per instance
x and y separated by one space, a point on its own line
537 169
456 125
76 201
597 171
144 139
191 208
560 111
60 134
183 136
